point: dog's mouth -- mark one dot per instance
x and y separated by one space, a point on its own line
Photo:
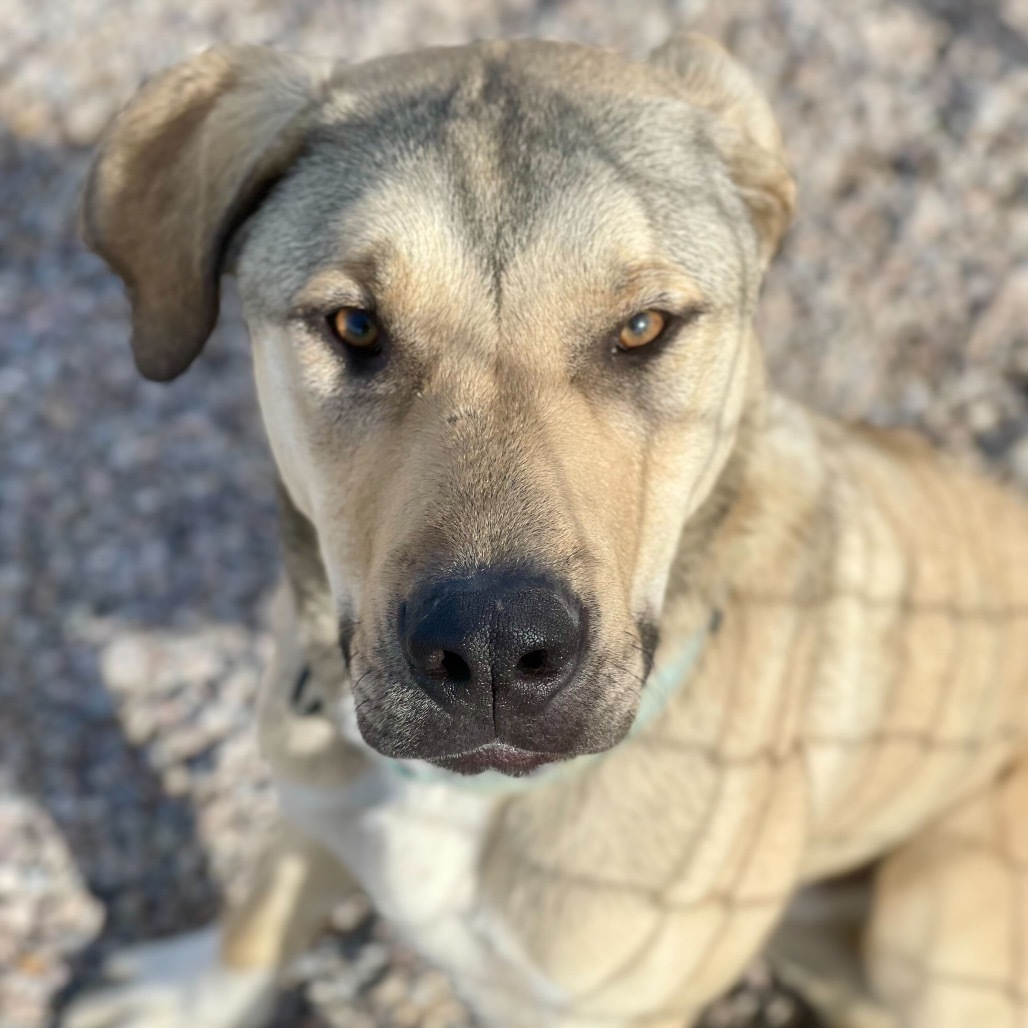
497 756
473 709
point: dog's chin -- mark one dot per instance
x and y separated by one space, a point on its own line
497 756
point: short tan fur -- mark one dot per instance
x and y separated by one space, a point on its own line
862 691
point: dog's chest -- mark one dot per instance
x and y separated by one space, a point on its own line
414 846
416 849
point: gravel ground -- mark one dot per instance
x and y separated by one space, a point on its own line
137 536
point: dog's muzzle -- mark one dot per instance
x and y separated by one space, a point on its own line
500 669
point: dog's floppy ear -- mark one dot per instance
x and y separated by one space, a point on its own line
746 133
175 175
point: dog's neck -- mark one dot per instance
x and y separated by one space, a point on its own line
701 574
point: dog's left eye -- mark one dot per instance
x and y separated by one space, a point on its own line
356 328
642 329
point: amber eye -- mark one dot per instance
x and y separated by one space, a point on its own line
641 329
355 327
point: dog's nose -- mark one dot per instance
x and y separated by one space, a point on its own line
519 638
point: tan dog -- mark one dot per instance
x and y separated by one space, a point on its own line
501 304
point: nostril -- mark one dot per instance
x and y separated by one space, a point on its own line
445 665
455 667
535 663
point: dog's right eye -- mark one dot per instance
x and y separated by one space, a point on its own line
356 329
642 329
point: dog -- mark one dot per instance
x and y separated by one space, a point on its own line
593 652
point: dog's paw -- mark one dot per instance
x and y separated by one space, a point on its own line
174 983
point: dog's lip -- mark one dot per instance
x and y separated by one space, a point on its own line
497 756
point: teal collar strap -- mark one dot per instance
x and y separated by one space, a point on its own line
661 686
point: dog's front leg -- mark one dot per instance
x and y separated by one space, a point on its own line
948 941
224 976
296 885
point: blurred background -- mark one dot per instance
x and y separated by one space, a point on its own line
137 527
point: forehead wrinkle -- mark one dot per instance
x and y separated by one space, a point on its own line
591 252
397 251
485 167
510 162
488 156
517 173
677 178
509 143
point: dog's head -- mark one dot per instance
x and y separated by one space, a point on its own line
500 300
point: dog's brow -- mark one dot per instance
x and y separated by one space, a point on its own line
351 284
659 279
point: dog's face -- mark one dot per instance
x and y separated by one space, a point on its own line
500 301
